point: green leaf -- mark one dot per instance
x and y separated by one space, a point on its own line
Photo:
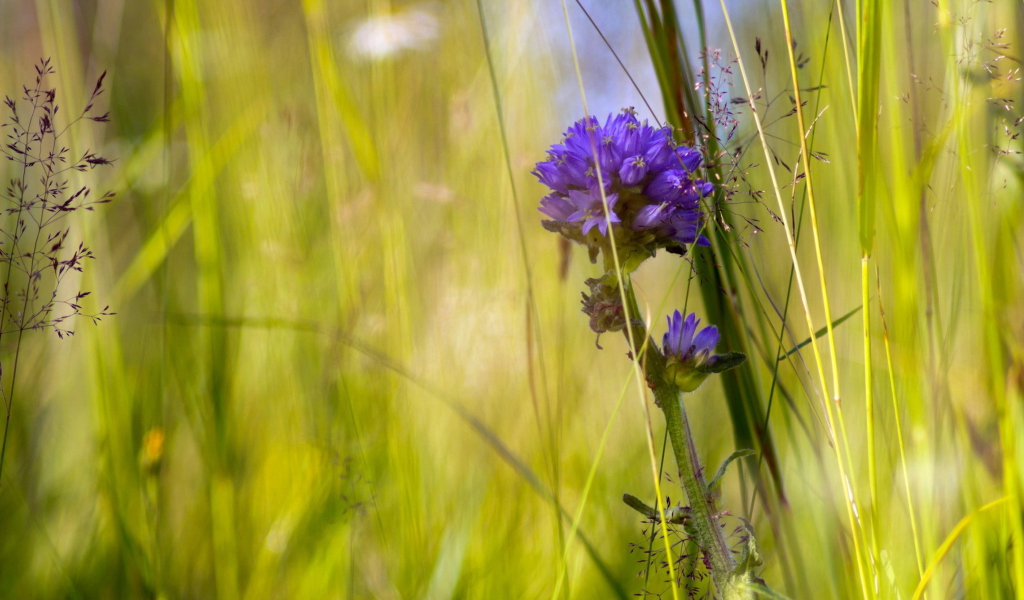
639 506
716 480
673 514
743 582
821 332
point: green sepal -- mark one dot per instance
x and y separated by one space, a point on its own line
632 258
724 362
684 375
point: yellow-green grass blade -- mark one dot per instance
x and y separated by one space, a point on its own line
947 544
174 224
869 33
332 86
212 347
821 332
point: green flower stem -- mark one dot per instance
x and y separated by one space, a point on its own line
691 473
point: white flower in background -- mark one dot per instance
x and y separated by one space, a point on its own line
386 35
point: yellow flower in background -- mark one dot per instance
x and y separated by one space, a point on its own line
152 448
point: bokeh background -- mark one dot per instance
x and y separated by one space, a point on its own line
347 361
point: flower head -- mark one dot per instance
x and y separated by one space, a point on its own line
648 184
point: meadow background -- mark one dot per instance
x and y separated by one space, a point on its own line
347 361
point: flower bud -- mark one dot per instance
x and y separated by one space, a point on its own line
604 305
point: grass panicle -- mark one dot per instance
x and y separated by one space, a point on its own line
39 258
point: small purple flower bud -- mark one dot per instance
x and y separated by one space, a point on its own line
650 216
689 157
667 185
573 170
633 170
609 155
659 153
705 188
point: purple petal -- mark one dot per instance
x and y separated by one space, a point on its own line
706 340
670 343
689 326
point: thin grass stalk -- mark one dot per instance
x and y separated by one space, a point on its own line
4 311
1008 426
866 119
921 237
993 343
843 34
784 316
869 421
799 278
812 207
638 352
779 347
532 312
867 93
10 397
334 101
563 569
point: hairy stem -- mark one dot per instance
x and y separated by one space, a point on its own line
691 477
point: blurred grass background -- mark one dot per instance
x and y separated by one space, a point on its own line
325 379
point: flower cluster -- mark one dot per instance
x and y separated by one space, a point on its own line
648 182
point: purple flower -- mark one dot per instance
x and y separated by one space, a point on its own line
689 352
681 344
